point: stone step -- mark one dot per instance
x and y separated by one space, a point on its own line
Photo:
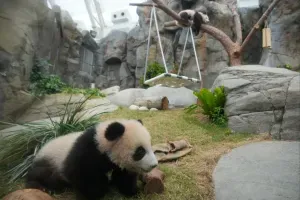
260 171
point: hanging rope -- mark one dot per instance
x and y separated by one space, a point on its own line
148 46
196 57
153 14
181 60
167 74
159 40
189 31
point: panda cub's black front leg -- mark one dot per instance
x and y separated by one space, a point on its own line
125 181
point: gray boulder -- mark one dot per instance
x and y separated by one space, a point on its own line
111 65
262 100
127 79
115 46
82 79
136 37
111 91
101 82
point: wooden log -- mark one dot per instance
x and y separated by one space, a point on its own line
154 181
160 103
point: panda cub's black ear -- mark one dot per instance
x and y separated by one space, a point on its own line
114 131
139 120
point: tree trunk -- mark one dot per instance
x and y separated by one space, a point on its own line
160 103
235 56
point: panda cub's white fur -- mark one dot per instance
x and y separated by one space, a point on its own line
191 17
58 149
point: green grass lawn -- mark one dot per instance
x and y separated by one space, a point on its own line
190 177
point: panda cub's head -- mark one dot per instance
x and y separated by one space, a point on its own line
127 143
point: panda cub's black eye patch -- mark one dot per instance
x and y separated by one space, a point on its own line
139 153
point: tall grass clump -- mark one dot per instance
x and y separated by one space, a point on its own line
19 147
211 103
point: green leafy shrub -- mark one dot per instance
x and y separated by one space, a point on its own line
212 104
286 66
42 82
154 69
20 146
39 69
93 92
51 84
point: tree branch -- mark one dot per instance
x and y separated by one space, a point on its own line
143 4
260 21
170 23
220 36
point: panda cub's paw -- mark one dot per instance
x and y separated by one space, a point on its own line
125 181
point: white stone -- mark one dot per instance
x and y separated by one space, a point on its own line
143 108
133 107
153 109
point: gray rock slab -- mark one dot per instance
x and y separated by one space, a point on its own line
50 105
267 170
178 97
92 107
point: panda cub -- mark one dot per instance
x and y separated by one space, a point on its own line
82 160
196 18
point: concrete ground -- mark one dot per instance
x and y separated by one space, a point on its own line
259 171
